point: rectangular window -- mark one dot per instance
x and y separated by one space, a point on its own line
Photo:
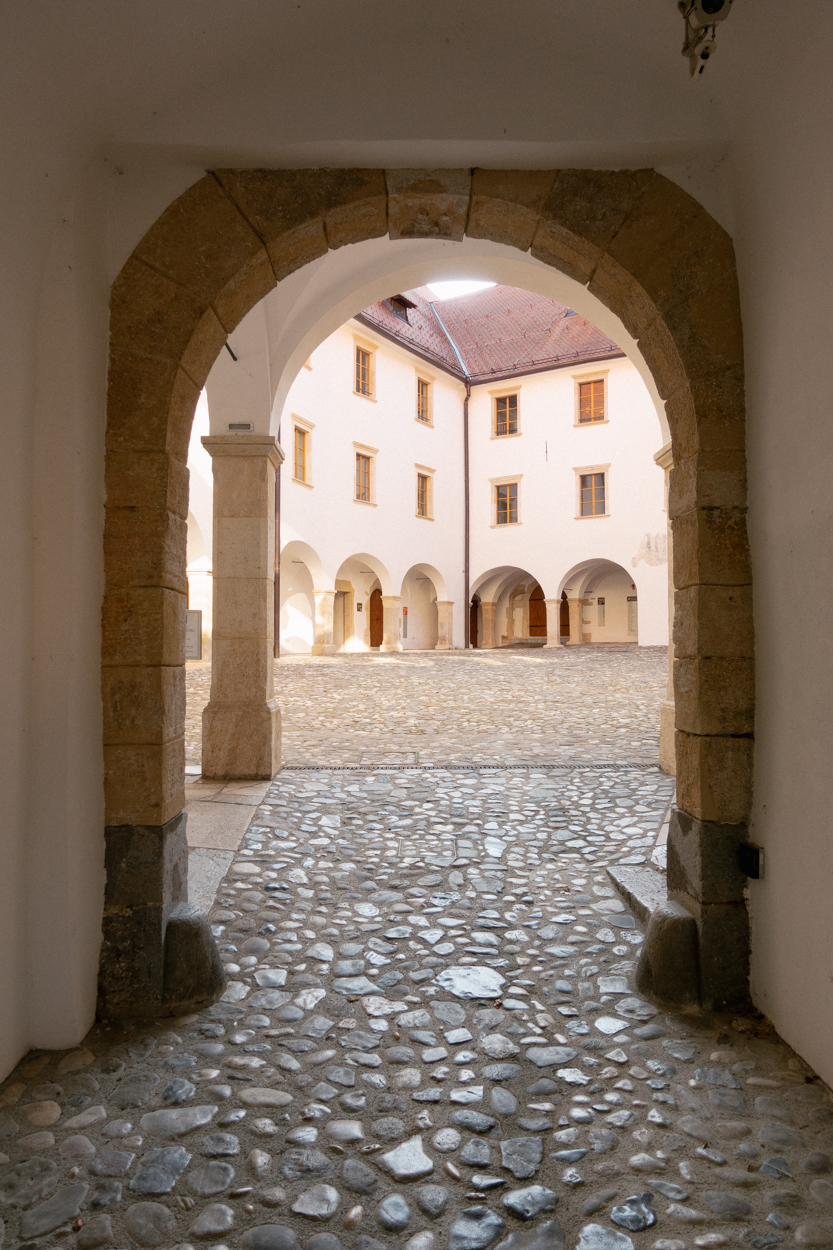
422 494
364 372
507 504
592 494
591 401
600 604
300 469
506 415
423 401
362 477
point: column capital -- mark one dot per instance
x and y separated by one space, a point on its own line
665 457
244 445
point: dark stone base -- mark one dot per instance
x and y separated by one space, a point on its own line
158 956
696 950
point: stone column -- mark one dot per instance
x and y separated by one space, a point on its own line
445 625
324 643
576 611
391 623
667 714
553 607
488 640
241 735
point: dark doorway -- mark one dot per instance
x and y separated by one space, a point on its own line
565 616
377 629
473 615
537 614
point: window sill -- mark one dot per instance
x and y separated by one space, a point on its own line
421 517
507 525
298 481
427 425
584 425
366 503
498 438
359 395
597 516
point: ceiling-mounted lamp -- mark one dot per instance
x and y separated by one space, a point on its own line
701 18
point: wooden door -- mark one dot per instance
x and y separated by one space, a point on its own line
537 614
473 625
377 629
565 617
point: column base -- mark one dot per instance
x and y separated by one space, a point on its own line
158 955
552 642
327 648
391 646
667 748
698 949
241 741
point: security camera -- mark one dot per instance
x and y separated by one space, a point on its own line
701 18
704 12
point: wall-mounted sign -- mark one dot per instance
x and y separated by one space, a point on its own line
193 634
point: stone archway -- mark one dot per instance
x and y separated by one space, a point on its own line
651 254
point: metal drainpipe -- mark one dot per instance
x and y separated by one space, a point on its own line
466 568
277 642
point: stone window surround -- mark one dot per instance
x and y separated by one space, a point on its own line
592 468
204 264
501 393
307 427
422 376
371 348
428 515
512 479
359 449
593 375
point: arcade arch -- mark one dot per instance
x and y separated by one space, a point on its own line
641 258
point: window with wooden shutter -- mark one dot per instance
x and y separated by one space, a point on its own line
422 494
591 401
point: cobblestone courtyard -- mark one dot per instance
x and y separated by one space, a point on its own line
430 1037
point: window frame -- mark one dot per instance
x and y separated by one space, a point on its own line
587 470
504 393
597 375
359 449
427 380
423 471
364 345
306 427
513 479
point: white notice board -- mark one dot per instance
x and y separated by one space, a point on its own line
193 634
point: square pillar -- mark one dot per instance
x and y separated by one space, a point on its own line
241 724
324 643
445 625
667 716
576 611
553 607
489 610
391 623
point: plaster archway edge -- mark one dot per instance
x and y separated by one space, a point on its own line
652 255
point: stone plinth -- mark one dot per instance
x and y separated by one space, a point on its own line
553 607
324 643
391 623
445 625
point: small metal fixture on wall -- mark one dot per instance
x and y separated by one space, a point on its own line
701 18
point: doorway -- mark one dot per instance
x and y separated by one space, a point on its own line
377 629
537 614
473 618
565 616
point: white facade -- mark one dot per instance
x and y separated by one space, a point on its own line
337 550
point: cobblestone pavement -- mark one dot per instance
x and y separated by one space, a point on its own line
514 705
429 1039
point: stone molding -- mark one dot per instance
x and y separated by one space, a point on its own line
638 242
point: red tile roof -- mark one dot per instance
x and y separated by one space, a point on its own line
500 332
